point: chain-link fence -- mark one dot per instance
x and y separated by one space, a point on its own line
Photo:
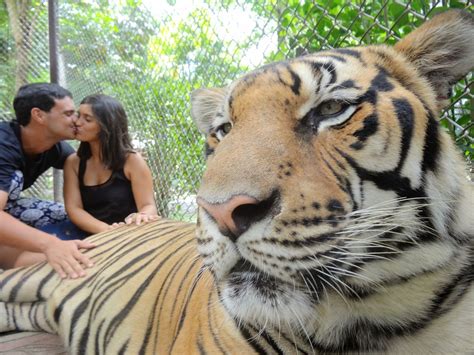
151 55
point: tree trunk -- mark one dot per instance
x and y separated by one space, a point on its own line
22 28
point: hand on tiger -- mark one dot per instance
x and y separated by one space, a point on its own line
115 225
140 217
66 258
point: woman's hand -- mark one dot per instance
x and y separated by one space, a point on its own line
115 225
66 258
140 217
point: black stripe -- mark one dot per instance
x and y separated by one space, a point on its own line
295 87
333 56
370 127
99 339
351 52
159 296
309 241
72 293
380 82
200 346
120 316
208 150
27 278
33 309
113 243
431 149
78 312
461 282
47 317
42 285
183 314
404 112
338 177
274 345
348 84
256 347
123 249
130 247
329 67
213 324
123 349
370 336
386 180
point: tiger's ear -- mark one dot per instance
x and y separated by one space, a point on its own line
205 103
442 50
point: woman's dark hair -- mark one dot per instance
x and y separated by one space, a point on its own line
113 136
40 95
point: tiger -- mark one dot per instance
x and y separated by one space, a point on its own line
334 216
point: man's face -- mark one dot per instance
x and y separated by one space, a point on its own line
61 119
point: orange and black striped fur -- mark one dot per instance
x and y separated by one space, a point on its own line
335 217
146 294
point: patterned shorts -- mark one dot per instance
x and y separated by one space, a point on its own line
45 215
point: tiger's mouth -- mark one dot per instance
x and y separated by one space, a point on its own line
255 297
245 274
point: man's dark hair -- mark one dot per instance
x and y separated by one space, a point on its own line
39 95
114 139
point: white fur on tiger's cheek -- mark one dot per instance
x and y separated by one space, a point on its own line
380 153
284 308
373 196
410 262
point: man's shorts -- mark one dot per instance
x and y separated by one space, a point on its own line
44 215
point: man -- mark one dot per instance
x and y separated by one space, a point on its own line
45 116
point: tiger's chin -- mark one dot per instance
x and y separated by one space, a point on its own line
266 302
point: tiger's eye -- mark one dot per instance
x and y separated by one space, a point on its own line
330 107
223 130
226 127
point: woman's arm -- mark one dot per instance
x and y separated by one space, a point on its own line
73 200
139 174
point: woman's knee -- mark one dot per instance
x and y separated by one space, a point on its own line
13 257
8 256
29 258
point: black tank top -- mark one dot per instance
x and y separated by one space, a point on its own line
110 201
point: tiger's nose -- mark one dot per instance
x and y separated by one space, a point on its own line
235 216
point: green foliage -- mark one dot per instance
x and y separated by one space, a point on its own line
151 66
308 26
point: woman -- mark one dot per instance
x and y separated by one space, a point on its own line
106 183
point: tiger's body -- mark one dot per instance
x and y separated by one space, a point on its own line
334 217
154 302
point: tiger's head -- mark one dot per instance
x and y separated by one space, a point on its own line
328 178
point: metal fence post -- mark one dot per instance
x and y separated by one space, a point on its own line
54 77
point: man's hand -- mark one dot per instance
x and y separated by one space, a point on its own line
66 259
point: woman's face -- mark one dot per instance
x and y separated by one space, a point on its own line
87 126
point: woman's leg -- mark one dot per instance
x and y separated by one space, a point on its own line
48 216
26 258
13 257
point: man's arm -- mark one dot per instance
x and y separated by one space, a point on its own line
64 256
